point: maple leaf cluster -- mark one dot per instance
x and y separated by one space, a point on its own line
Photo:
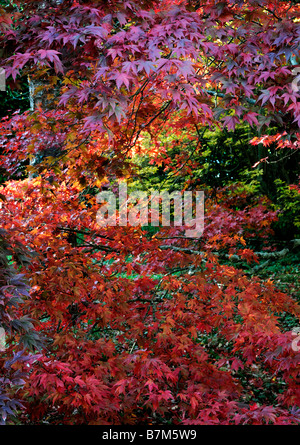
131 327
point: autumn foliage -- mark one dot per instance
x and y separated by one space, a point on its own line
120 325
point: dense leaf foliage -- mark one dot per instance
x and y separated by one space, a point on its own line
18 331
142 326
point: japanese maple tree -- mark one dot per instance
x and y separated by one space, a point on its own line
131 327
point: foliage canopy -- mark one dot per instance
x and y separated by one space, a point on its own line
124 325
